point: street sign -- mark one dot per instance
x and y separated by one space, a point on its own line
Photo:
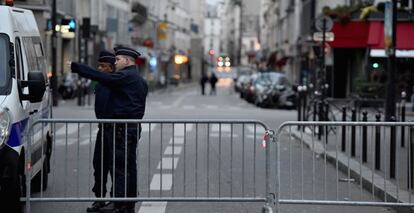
318 36
323 23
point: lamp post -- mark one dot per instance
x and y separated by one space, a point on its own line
390 97
239 54
53 79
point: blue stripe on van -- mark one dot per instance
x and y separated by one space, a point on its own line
15 138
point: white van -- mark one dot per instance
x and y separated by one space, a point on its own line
24 98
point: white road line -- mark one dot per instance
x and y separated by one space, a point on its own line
72 128
178 101
224 128
166 107
189 107
87 141
153 207
167 163
145 127
166 182
62 142
259 129
223 135
179 129
177 141
211 107
169 150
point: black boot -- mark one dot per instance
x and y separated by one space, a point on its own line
96 207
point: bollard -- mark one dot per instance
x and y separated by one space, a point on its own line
79 93
321 118
364 137
393 149
315 110
378 143
343 129
326 118
403 95
353 133
411 160
299 104
304 103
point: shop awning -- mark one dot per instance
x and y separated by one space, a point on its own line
405 31
362 34
350 35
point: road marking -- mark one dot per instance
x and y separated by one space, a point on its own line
259 129
145 127
211 107
167 163
169 150
153 207
166 182
223 135
177 141
72 128
87 141
188 107
178 101
179 129
166 107
224 128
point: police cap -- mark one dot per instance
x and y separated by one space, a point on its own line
127 51
106 57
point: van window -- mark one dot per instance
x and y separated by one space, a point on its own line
5 75
34 53
19 62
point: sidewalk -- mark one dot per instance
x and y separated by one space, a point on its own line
374 181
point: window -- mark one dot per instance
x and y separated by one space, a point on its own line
5 74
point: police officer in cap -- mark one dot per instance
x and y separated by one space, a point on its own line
128 95
103 110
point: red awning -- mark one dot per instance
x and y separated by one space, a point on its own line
362 34
405 31
350 35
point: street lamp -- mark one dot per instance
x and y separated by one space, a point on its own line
53 79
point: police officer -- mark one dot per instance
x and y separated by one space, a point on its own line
103 110
128 95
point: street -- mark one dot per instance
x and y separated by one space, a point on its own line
234 175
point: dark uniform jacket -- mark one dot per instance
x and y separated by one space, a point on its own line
128 90
103 106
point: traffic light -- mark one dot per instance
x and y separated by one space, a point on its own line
375 65
71 23
86 28
211 52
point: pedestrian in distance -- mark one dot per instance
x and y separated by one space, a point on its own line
128 96
103 110
213 82
203 81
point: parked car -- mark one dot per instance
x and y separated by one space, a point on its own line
247 91
273 89
68 86
241 81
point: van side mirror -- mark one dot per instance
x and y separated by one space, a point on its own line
37 86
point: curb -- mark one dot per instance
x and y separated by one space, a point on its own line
374 183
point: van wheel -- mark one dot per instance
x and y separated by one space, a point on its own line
37 180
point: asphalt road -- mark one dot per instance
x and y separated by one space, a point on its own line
199 160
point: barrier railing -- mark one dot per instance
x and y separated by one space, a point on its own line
177 161
360 165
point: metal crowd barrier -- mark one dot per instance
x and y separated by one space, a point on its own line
362 164
177 161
